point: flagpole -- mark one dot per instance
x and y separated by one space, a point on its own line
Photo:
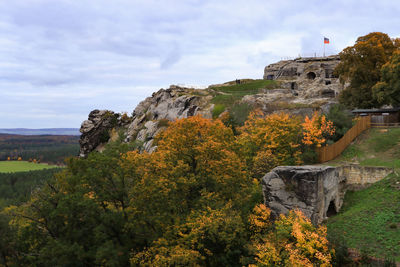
324 47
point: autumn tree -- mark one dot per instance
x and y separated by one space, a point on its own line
360 67
268 141
316 130
387 91
186 202
291 240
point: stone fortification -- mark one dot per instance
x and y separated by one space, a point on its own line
307 77
317 191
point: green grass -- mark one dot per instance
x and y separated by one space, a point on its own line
218 109
22 166
370 219
374 147
231 93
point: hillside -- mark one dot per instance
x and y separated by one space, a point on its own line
293 86
369 220
374 147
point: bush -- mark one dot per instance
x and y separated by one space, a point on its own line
342 120
218 109
240 112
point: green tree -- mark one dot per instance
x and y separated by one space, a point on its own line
387 91
360 67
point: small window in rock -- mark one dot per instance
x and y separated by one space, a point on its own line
293 86
327 82
311 75
331 209
328 93
270 77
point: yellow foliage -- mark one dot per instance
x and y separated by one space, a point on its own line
293 242
269 141
315 130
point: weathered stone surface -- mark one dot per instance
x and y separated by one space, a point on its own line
358 177
95 130
317 191
170 104
307 188
307 77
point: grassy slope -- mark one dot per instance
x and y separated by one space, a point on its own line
370 219
232 93
374 147
22 166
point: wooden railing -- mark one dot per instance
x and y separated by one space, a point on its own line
330 152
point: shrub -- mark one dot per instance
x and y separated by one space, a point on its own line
218 109
342 120
240 112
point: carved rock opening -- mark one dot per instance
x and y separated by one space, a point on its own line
311 75
331 209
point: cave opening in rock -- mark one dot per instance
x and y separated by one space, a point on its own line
331 209
311 75
328 93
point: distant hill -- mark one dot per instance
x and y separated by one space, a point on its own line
45 131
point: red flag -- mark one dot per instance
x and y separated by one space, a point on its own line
326 40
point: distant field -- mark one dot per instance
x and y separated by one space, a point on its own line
51 149
22 166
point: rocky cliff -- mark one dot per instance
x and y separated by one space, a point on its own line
294 90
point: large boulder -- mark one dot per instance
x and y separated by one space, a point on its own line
317 191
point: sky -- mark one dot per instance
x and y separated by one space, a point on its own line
60 59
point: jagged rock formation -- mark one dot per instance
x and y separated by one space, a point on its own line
95 130
148 119
317 191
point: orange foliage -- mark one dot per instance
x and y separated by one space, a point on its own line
269 141
316 129
293 242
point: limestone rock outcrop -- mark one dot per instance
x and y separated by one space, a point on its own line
307 77
95 130
310 189
149 118
317 191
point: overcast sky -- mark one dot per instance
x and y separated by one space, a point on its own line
60 59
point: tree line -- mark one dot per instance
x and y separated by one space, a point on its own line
195 201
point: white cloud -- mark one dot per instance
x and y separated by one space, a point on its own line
60 59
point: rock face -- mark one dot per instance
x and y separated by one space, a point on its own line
312 189
307 77
95 130
317 191
149 118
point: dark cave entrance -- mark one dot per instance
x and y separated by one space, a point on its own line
311 75
331 209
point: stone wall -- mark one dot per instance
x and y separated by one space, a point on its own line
358 177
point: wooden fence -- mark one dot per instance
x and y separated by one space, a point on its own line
330 152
